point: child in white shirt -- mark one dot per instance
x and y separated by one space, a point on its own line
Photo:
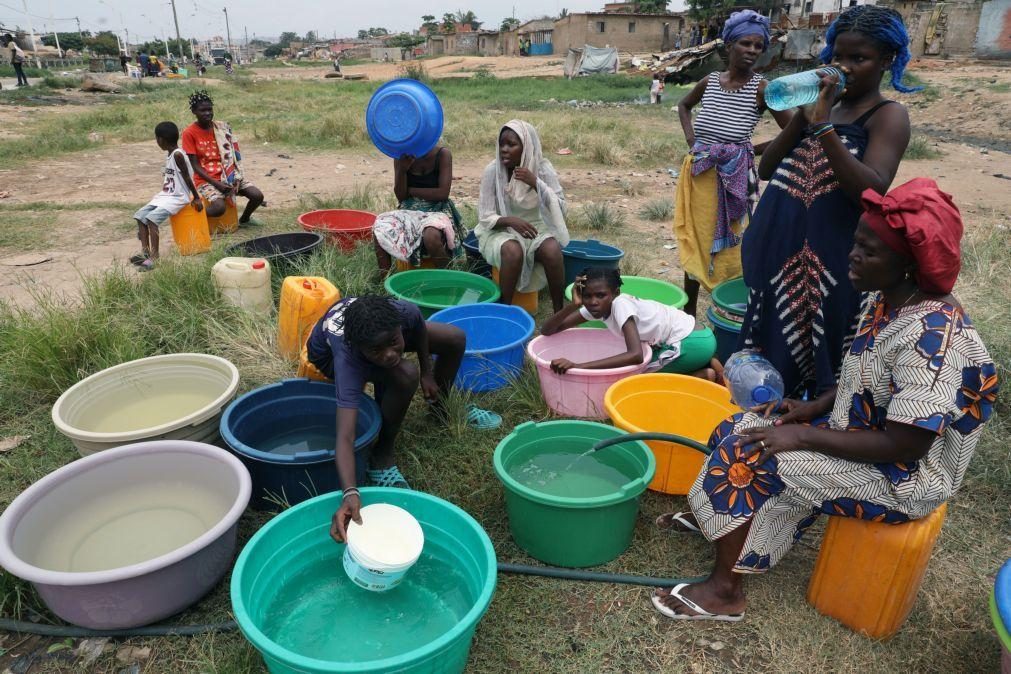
678 344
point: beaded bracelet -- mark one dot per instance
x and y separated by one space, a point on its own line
823 130
817 129
352 490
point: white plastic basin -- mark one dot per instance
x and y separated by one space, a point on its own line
128 536
178 396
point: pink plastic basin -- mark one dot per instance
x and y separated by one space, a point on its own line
579 392
130 535
341 227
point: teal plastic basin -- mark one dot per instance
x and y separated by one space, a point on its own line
436 289
573 530
731 296
645 289
295 604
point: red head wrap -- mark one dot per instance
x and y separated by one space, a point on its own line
919 221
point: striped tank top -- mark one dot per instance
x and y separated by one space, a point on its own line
727 116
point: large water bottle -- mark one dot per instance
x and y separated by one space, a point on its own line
793 91
752 380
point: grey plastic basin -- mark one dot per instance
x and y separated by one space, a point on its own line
128 536
178 396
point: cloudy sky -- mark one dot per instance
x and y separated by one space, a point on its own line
146 19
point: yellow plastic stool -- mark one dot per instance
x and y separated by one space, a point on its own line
307 369
426 263
190 231
526 301
304 299
868 573
227 222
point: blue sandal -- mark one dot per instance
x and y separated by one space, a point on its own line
387 477
482 420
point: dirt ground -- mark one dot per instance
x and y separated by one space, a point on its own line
963 121
443 66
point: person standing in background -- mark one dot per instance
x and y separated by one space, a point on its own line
17 59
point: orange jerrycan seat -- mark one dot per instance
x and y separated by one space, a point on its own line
307 369
868 573
426 263
190 231
227 222
304 300
525 301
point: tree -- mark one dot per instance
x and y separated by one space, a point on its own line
655 6
564 13
378 32
429 25
405 41
104 42
468 17
67 41
706 9
448 23
363 35
286 39
310 37
509 23
273 51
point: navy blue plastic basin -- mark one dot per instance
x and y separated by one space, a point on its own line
478 264
727 334
286 435
404 117
590 253
496 339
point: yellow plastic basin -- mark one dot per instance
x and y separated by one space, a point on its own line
670 403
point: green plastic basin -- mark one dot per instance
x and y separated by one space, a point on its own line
572 531
436 289
645 289
731 296
289 587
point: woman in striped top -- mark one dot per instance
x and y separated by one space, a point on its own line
718 183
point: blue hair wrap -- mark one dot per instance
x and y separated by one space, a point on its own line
746 22
881 24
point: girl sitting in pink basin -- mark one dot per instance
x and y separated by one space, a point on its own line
679 345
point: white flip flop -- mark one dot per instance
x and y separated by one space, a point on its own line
680 518
700 613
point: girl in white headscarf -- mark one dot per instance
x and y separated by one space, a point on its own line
521 216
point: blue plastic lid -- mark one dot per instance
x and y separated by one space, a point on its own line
763 395
404 117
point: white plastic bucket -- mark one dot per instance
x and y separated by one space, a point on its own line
383 547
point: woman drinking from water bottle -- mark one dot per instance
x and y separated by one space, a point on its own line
802 313
718 184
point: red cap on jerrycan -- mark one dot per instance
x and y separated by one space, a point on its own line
259 264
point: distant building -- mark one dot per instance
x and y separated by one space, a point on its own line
489 43
634 33
540 33
461 41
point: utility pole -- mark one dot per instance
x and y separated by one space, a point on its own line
167 55
56 35
80 34
31 34
179 38
228 33
246 30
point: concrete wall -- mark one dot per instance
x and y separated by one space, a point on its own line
488 45
575 30
509 43
993 41
955 27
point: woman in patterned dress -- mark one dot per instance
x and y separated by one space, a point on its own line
801 311
917 385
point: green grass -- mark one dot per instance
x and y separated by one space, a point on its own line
921 147
600 217
658 210
300 115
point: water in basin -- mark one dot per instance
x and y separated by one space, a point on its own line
139 405
569 474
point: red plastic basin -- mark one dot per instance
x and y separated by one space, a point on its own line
341 227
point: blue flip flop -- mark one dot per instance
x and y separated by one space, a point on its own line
482 420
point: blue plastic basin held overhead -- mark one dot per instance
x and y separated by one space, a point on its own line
404 117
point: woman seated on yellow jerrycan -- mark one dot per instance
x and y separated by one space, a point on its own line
915 389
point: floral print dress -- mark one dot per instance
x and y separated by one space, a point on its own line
922 365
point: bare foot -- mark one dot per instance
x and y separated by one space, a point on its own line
707 596
667 522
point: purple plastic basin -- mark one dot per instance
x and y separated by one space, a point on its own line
128 536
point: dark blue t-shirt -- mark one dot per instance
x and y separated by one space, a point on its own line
335 358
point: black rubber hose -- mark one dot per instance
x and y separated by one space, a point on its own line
8 625
593 576
667 437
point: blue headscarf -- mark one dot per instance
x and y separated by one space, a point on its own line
746 22
881 24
